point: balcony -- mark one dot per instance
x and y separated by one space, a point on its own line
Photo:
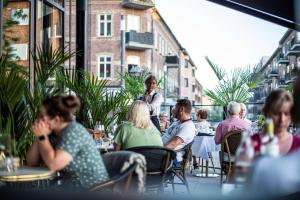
172 61
291 76
273 72
139 41
281 82
294 47
281 59
138 4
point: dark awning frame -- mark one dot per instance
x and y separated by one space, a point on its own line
282 12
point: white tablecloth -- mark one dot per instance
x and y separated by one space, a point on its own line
203 145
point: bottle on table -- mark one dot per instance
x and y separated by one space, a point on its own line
243 158
269 142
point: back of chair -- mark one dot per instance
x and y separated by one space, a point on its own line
187 155
120 180
159 159
230 143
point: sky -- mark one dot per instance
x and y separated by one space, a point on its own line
228 37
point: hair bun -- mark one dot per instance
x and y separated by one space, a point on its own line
71 102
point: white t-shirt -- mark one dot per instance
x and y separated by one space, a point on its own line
185 130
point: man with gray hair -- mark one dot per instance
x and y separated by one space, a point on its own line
234 122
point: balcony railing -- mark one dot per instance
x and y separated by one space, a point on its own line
291 76
138 4
273 72
281 59
139 41
294 48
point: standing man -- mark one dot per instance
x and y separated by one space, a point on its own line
153 99
181 132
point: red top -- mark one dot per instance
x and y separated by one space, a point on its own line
256 140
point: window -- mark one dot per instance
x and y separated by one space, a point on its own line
104 70
193 88
20 51
105 26
186 63
20 15
186 82
133 61
193 72
133 23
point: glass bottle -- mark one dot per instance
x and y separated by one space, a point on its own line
269 143
243 158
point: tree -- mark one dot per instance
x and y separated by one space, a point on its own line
235 86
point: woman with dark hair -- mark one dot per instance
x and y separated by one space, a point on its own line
202 124
153 99
75 152
278 107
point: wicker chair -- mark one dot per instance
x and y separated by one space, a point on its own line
229 145
159 161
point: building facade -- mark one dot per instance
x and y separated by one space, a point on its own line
149 45
280 70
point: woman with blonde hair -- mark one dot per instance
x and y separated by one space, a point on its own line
138 130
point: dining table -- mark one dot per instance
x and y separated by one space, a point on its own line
203 146
27 177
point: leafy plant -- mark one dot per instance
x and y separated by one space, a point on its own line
235 86
13 85
98 104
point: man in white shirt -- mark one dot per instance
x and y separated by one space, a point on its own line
181 132
153 99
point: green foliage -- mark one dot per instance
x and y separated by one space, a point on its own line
233 87
98 104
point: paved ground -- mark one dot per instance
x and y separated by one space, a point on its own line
199 186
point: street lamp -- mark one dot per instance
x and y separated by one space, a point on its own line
122 28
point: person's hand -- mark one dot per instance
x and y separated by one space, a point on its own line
41 127
146 96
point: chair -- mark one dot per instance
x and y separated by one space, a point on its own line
159 161
179 170
229 145
121 182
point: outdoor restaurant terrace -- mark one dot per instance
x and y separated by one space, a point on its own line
99 99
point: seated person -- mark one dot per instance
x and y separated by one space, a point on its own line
181 132
163 121
74 153
234 122
278 107
202 124
138 130
243 113
280 176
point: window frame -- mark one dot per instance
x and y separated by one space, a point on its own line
105 21
99 62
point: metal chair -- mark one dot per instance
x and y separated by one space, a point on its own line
179 170
121 182
229 145
159 162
